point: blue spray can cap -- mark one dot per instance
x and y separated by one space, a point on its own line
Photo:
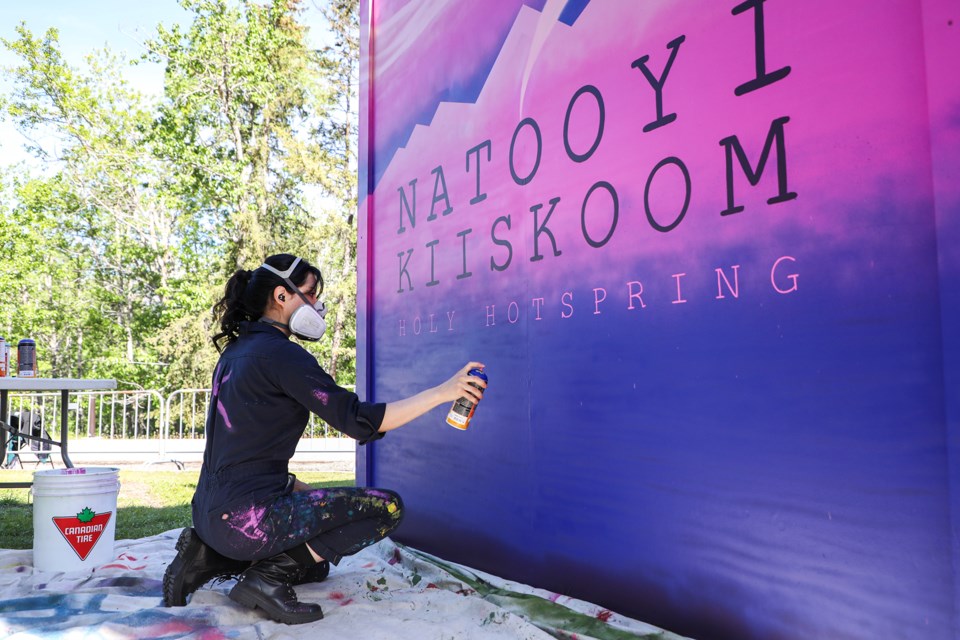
478 373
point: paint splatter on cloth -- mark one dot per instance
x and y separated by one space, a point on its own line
385 591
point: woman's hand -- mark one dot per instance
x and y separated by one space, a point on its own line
461 385
403 411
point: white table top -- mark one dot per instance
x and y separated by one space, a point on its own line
54 384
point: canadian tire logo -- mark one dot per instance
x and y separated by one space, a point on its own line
83 530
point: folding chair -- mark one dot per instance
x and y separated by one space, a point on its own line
27 437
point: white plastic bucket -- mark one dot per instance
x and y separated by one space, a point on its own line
74 517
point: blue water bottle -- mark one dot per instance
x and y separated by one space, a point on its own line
27 358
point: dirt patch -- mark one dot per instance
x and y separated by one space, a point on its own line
141 493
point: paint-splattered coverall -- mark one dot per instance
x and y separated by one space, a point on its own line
264 388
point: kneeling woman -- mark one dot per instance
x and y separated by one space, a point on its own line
251 516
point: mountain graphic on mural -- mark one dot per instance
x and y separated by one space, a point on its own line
419 107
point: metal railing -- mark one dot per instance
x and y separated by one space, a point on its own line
187 412
142 414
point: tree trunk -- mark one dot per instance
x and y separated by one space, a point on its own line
79 353
128 328
349 259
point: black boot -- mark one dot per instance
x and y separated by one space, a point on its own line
267 585
195 565
316 573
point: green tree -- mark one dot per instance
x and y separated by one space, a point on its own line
336 172
237 87
100 185
248 111
143 209
41 284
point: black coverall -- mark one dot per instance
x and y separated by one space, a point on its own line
264 388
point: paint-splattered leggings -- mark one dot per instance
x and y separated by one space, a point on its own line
334 522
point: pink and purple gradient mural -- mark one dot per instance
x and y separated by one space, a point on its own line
709 254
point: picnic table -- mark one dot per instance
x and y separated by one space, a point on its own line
64 386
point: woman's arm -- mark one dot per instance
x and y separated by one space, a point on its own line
403 411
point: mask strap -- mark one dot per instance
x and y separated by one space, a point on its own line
266 320
285 275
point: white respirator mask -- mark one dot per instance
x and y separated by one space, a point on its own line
307 321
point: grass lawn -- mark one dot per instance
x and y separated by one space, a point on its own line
149 502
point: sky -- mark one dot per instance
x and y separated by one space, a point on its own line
87 25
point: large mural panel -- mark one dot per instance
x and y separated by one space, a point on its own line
708 253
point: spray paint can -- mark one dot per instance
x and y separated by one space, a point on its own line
3 358
27 358
463 408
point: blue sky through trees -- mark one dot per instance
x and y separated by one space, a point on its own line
84 27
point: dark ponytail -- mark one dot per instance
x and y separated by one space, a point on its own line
248 293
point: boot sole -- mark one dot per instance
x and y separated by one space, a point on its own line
254 600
